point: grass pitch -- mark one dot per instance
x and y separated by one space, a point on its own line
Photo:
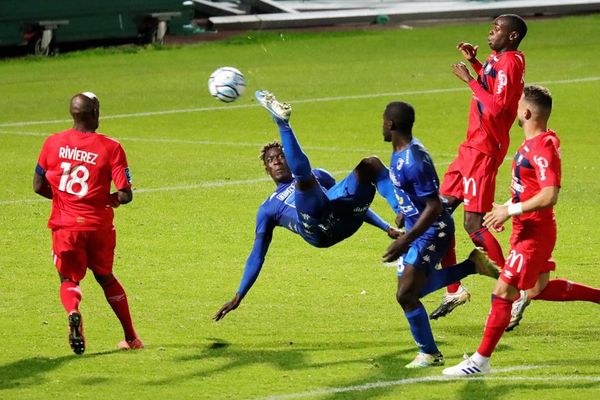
318 324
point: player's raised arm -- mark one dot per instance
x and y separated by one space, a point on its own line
469 52
262 240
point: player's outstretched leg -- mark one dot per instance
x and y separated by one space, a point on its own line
450 301
484 265
76 338
279 110
296 159
456 294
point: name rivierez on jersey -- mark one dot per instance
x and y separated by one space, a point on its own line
77 155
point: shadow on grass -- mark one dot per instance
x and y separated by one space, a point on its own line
220 356
30 371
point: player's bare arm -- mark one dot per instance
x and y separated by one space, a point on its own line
394 233
546 197
462 72
468 51
41 186
122 196
227 307
432 210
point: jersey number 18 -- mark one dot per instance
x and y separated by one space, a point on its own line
78 175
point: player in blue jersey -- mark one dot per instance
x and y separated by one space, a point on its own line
429 231
308 201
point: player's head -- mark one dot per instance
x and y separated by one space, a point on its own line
85 110
398 117
535 105
507 32
275 163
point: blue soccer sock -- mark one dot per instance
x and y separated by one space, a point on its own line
295 157
421 330
439 278
386 189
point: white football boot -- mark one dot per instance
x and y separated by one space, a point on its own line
467 367
518 308
278 109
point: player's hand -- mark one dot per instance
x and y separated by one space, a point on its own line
113 200
496 218
396 249
468 51
227 307
462 72
394 233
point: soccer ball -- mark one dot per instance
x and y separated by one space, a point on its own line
226 84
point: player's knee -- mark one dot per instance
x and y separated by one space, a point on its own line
405 298
372 163
104 280
369 167
473 222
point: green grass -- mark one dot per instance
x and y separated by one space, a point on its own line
306 324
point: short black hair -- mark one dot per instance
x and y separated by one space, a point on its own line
540 97
272 145
401 114
516 24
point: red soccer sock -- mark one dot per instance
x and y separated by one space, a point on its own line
70 296
496 323
117 298
484 238
448 260
564 290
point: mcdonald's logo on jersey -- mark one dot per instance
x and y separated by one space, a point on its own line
470 187
513 259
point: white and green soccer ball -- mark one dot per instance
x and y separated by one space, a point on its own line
226 84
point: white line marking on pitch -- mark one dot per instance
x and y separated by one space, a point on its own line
315 100
206 142
178 187
437 378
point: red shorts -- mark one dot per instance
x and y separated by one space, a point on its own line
530 255
471 178
75 251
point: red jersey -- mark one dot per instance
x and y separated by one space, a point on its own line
496 95
535 166
79 166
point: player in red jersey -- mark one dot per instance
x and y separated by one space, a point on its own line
75 169
536 173
471 177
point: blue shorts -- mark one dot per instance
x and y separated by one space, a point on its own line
327 218
427 251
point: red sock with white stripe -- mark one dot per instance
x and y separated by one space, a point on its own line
70 296
496 323
484 238
117 298
564 290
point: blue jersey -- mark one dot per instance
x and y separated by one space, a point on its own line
414 178
343 216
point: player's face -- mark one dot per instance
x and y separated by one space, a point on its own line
276 165
387 132
499 35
